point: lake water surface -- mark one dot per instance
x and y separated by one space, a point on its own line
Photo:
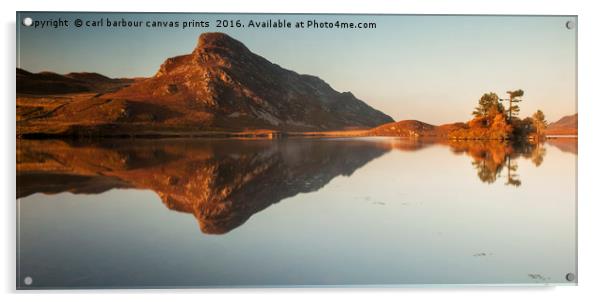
294 212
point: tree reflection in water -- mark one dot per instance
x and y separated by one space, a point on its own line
496 159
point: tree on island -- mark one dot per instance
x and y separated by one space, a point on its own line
489 105
492 121
489 121
512 106
531 127
539 122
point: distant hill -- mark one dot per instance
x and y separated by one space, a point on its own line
414 128
46 82
567 125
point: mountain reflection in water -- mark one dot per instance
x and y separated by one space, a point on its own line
224 182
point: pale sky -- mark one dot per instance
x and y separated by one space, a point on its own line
430 68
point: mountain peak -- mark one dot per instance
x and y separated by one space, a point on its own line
223 85
213 49
217 40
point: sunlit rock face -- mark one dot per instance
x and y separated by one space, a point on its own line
239 89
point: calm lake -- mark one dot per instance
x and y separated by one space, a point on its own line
294 212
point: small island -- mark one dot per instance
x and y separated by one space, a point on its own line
492 120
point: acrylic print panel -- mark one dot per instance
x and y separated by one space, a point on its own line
265 150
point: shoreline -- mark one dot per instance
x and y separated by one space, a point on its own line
255 134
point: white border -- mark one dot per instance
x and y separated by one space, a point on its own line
590 210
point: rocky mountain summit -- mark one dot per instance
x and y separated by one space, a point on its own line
220 86
239 89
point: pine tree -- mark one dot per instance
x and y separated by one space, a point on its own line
512 107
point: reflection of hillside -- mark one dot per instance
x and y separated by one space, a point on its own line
415 144
568 144
222 182
492 157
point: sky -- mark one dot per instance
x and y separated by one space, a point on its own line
429 68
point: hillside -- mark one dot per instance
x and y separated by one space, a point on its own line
220 86
45 83
414 128
567 125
